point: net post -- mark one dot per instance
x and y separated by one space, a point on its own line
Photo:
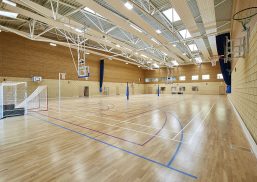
158 90
127 92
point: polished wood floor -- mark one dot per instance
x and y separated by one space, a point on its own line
148 138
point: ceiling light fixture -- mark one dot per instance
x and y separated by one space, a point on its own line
156 41
136 28
144 56
174 45
92 11
117 45
128 5
158 31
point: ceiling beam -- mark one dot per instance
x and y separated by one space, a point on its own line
187 18
140 22
207 11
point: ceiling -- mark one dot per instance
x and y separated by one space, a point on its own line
139 33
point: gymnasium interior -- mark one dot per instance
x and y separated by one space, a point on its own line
128 90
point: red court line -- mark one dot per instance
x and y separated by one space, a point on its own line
91 129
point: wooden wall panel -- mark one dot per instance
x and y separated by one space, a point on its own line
187 71
21 57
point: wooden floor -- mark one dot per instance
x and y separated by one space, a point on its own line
149 138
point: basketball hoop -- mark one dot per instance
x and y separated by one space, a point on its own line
244 16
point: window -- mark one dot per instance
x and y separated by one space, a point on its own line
173 78
205 77
182 78
171 14
195 77
147 80
219 76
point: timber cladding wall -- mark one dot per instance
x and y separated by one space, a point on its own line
187 71
21 57
244 86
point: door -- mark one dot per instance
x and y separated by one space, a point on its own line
222 90
86 91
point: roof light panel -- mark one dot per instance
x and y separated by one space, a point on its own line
185 33
8 14
171 14
193 47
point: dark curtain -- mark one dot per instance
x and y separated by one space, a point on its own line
225 67
101 75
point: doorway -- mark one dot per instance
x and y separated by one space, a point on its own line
86 91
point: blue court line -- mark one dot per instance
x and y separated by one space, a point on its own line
180 142
113 146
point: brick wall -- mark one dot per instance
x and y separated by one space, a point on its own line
244 86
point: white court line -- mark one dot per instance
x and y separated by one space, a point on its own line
128 129
201 123
145 133
127 121
187 124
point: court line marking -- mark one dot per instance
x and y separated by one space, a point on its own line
89 129
119 148
179 145
166 118
201 123
103 132
182 129
127 121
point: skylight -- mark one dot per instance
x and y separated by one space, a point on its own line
193 47
156 41
171 14
175 63
158 31
185 33
9 2
8 14
91 11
